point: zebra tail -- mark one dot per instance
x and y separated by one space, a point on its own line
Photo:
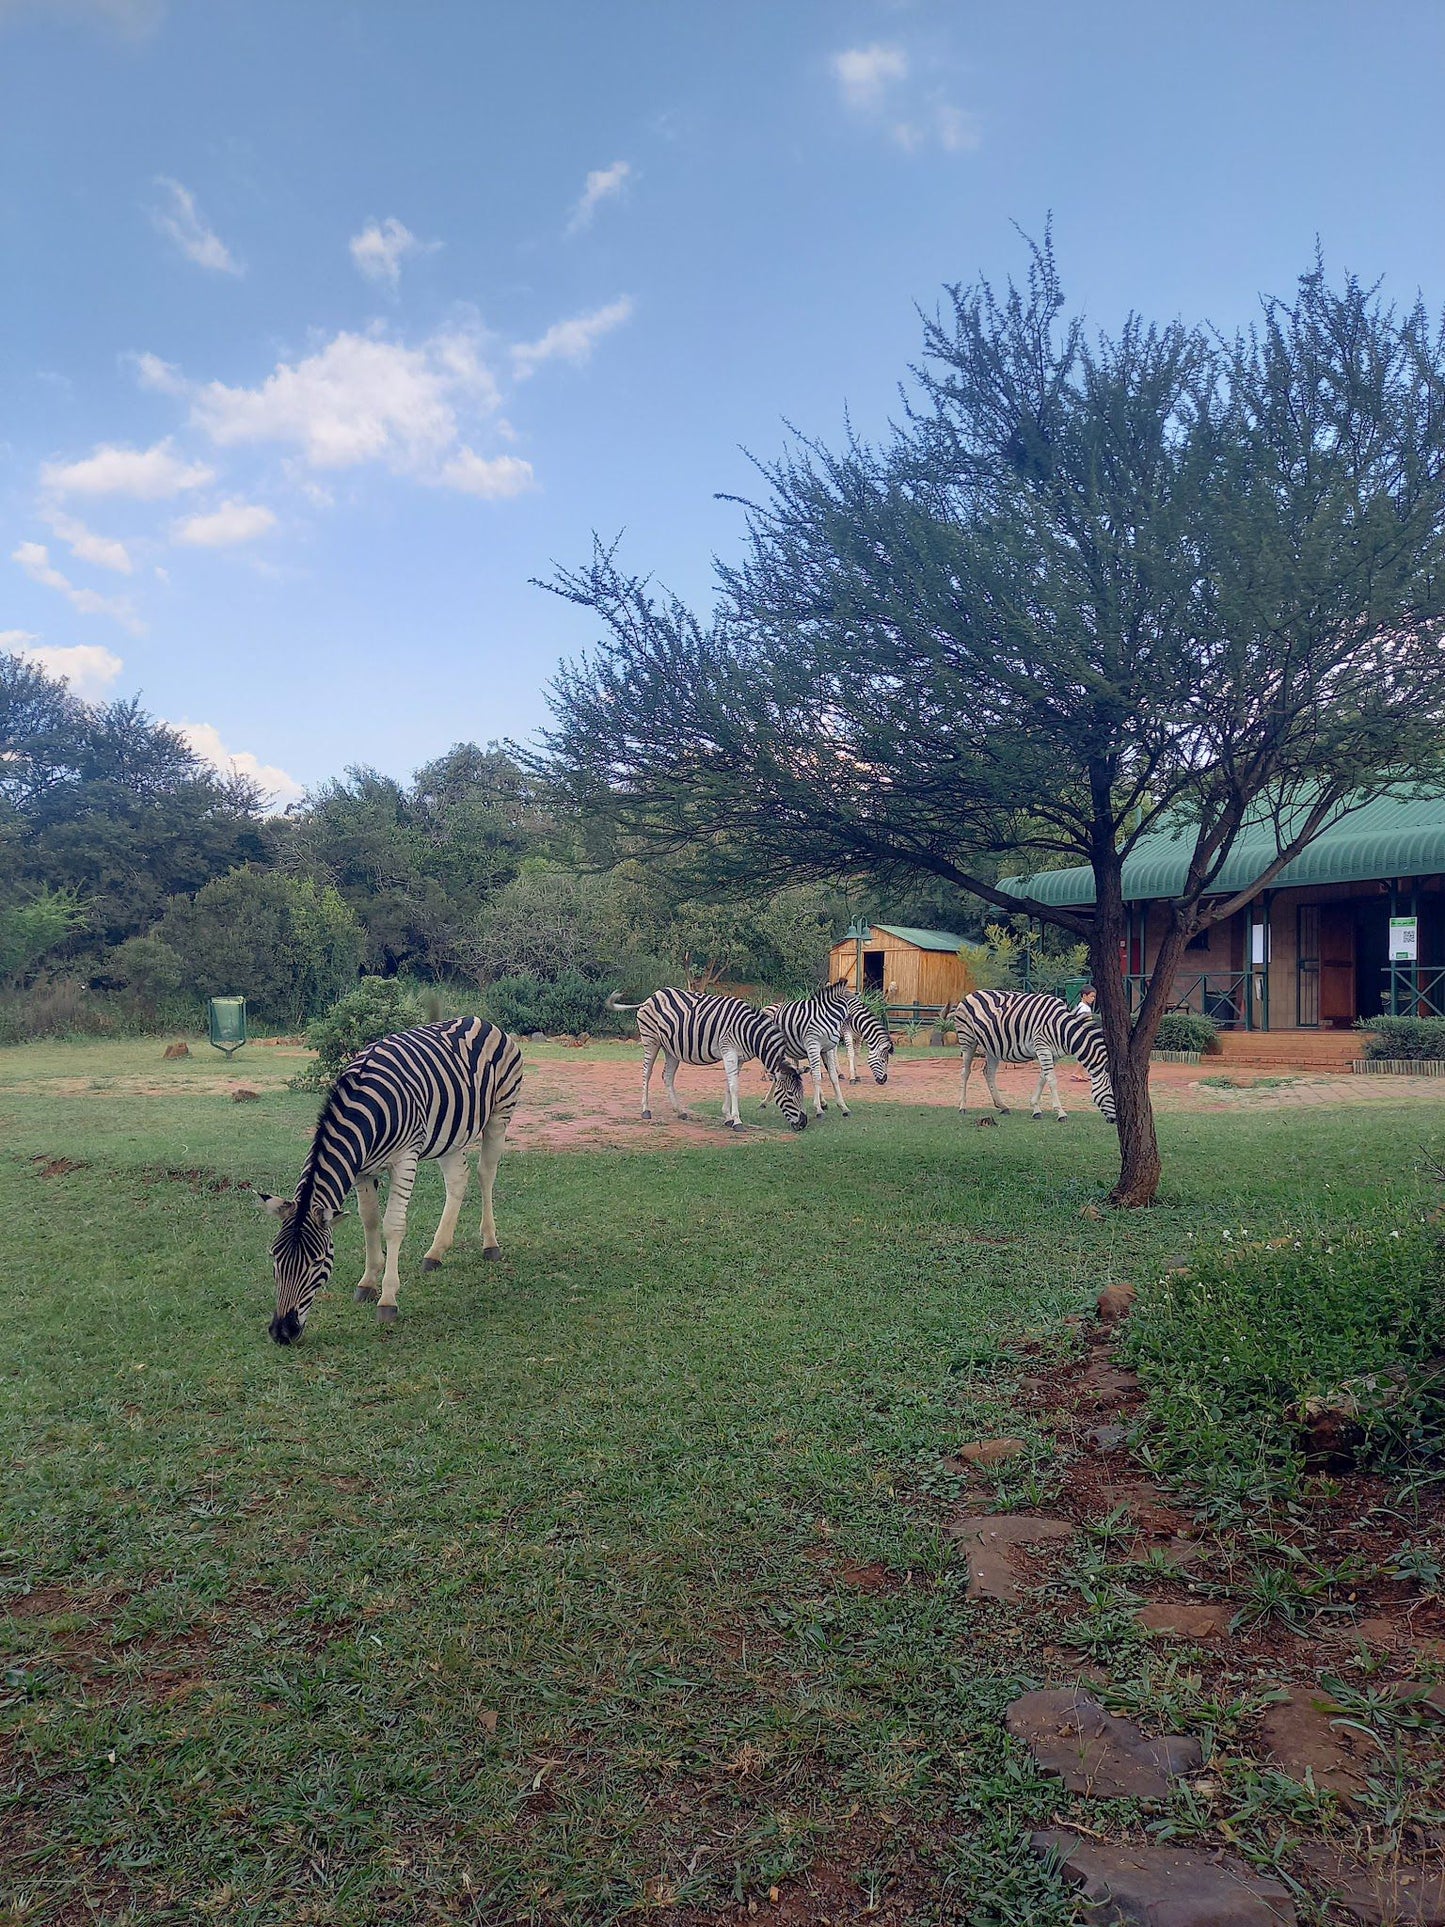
612 1003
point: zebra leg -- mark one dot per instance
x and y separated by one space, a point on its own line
669 1074
732 1116
369 1205
494 1136
990 1072
830 1059
1060 1113
649 1058
815 1067
455 1173
393 1224
967 1055
852 1060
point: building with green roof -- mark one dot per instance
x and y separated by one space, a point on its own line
908 966
1354 926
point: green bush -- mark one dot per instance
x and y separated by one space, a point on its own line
378 1007
285 944
1186 1030
565 1006
1419 1038
1228 1346
30 929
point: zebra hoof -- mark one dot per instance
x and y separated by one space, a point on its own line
1004 1111
493 1252
1062 1118
367 1294
431 1264
386 1314
648 1116
1037 1116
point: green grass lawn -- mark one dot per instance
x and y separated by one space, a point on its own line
532 1608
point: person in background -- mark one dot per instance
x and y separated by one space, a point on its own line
1087 997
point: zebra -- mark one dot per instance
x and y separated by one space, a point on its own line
813 1025
1012 1026
438 1092
689 1027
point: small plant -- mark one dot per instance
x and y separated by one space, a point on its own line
1187 1030
378 1007
1420 1039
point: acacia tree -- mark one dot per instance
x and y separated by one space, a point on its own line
1089 588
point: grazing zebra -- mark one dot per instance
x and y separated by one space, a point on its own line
687 1027
1013 1026
813 1026
438 1092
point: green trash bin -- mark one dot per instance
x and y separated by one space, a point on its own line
1073 990
228 1023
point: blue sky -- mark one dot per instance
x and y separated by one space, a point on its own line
329 325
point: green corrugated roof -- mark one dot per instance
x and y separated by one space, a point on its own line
1399 835
922 939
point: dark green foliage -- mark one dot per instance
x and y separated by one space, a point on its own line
564 1005
1421 1038
287 946
1186 1030
34 926
1352 1317
378 1007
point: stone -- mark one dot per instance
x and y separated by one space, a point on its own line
1069 1733
177 1050
1115 1303
988 1543
1184 1620
1393 1893
1329 1433
1165 1886
1176 1553
1105 1438
985 1452
987 1124
1104 1384
1150 1515
1298 1736
243 1094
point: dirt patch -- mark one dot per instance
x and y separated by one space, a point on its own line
50 1167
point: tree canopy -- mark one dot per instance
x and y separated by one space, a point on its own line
1090 585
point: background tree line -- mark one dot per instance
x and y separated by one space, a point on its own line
136 880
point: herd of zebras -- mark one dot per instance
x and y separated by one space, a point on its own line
445 1092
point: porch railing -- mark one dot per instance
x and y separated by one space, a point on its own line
1234 999
1414 990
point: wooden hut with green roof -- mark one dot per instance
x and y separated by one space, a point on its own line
909 967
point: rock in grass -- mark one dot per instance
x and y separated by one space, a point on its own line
1391 1893
1067 1732
989 1542
1185 1620
986 1452
1165 1886
1115 1303
243 1094
1301 1738
177 1050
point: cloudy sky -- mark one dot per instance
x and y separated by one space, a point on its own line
330 324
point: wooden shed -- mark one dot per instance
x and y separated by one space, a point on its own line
909 966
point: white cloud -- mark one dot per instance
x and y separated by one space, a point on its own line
874 83
148 474
34 558
361 398
101 551
164 376
225 527
205 740
86 666
493 478
571 340
380 249
180 220
602 184
865 75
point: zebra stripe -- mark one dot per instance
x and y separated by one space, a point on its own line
436 1094
687 1027
1015 1026
814 1025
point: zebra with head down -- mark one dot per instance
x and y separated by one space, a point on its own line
694 1027
814 1026
1017 1026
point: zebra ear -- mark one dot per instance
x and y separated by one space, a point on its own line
275 1207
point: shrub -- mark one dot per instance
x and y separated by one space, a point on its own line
378 1007
1186 1030
284 943
568 1004
1419 1038
29 930
147 966
1227 1346
55 1007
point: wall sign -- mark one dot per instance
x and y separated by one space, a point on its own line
1404 940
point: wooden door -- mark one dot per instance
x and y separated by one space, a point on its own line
1337 963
